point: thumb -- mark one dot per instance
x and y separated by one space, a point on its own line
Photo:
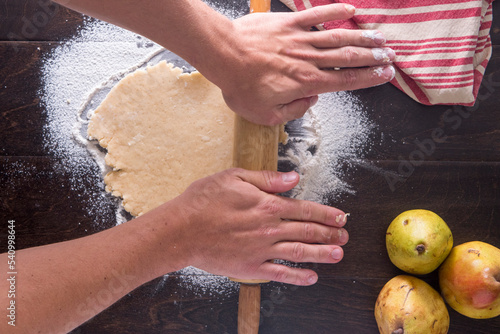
270 182
297 108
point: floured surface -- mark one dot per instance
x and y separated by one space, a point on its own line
325 146
163 130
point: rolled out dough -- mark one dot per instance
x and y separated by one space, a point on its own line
163 129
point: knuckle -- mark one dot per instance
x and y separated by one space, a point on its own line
269 231
320 58
307 211
308 232
308 76
316 12
232 172
349 55
349 77
328 216
271 206
268 177
298 252
337 38
280 274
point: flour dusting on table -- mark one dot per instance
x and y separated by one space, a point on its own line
324 144
69 74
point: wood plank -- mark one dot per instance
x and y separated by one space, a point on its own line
462 133
51 203
37 20
495 27
21 116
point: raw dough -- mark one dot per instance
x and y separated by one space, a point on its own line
163 129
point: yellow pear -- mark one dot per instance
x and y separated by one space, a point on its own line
470 280
408 305
418 241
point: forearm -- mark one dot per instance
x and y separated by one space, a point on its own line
189 28
62 285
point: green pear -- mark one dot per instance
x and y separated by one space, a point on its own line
418 241
408 305
470 280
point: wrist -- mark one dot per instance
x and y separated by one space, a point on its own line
159 236
214 50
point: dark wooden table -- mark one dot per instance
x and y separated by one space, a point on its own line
459 181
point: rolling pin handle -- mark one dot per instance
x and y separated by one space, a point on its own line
249 309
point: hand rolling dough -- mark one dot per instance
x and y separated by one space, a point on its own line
163 129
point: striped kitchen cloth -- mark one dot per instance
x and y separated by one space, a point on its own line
442 46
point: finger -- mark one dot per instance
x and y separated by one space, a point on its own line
281 273
297 108
320 14
348 56
300 252
269 181
352 78
306 211
312 233
337 38
353 56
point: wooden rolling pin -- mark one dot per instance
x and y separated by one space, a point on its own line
255 148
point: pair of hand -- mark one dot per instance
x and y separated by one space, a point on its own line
276 66
233 224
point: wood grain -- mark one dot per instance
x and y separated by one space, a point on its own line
37 20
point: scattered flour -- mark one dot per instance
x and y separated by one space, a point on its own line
201 283
69 73
323 144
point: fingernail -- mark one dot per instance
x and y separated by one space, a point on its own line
289 177
386 72
337 254
345 217
343 236
338 219
386 54
350 9
375 36
311 279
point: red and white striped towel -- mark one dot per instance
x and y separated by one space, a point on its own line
442 46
